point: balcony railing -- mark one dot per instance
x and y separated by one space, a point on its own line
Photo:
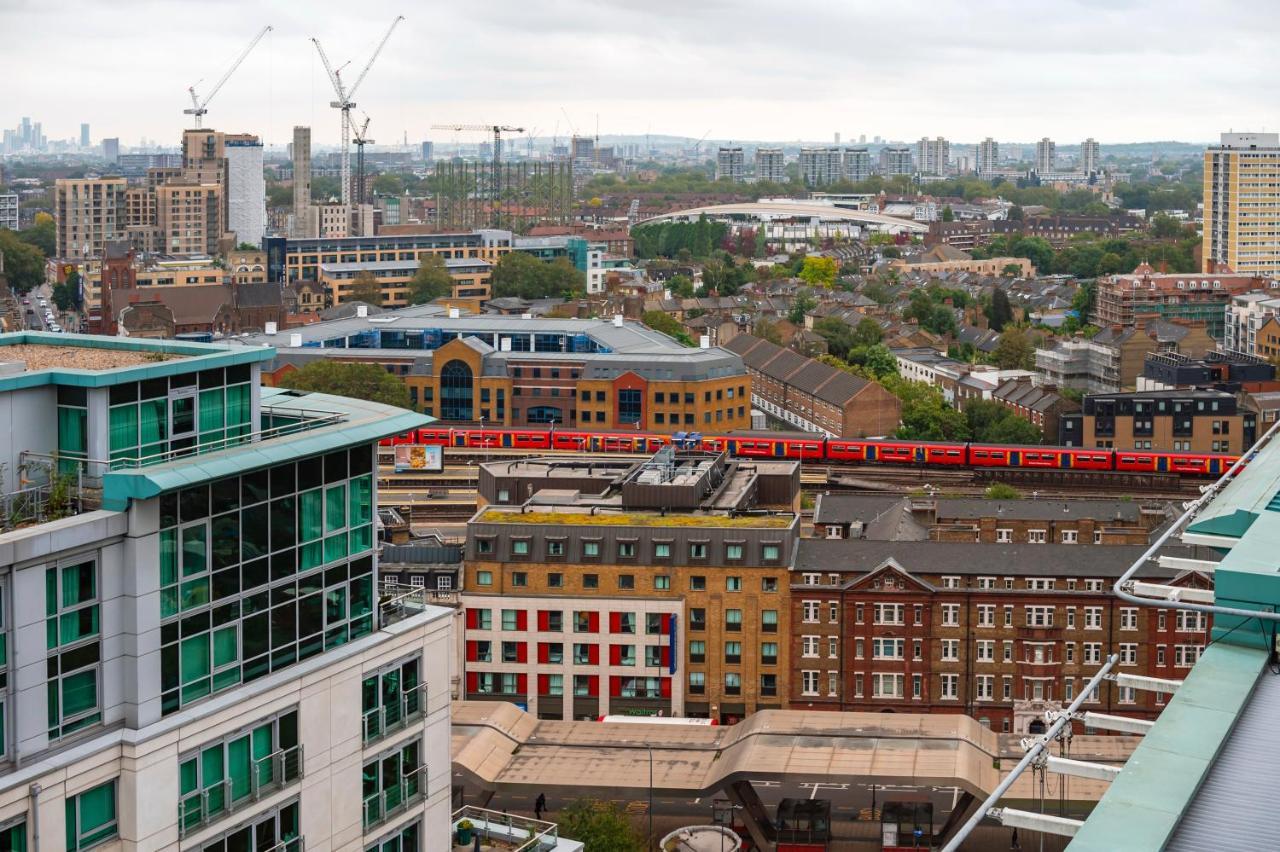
396 601
266 775
386 719
508 831
411 788
297 844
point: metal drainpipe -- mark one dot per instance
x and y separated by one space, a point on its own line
34 791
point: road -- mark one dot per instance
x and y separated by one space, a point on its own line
33 314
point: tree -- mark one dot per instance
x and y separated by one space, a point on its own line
948 215
766 330
359 381
1014 350
665 323
681 286
994 422
246 247
839 337
523 275
279 195
365 288
23 263
388 184
431 281
1164 226
880 362
1001 491
999 312
820 271
1011 270
867 332
599 826
801 305
1016 214
42 235
324 187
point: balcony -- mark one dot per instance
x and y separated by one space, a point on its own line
397 602
387 719
408 789
507 832
266 775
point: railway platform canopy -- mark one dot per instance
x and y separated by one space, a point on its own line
774 211
951 758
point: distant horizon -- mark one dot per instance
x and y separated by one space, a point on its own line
1120 72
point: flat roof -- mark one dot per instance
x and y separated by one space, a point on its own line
631 518
392 265
87 360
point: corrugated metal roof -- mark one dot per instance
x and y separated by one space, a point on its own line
1235 806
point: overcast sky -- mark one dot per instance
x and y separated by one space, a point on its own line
1117 70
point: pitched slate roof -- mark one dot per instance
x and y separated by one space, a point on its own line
790 368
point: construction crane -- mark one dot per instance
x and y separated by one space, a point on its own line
200 107
697 146
497 130
361 138
345 101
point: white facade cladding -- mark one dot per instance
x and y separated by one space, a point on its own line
195 651
246 192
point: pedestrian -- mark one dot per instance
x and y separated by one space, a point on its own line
539 806
1013 841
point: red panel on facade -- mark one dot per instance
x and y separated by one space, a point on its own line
544 684
544 620
522 652
615 655
473 682
593 655
615 686
473 618
522 684
593 685
522 620
665 685
593 623
544 652
615 622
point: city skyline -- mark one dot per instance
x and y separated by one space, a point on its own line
765 75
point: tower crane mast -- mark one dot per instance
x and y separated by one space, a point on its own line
345 101
497 130
199 108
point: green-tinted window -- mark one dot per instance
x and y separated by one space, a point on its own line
391 699
407 839
73 442
222 776
391 783
275 831
13 838
71 634
124 431
91 816
261 571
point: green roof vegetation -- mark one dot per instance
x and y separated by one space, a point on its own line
635 519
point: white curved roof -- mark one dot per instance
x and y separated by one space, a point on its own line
799 210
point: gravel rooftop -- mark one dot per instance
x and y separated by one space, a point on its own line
39 357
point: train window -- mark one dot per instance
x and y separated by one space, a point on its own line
953 452
982 454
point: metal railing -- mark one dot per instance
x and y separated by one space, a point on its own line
518 833
396 601
386 719
297 844
409 789
266 775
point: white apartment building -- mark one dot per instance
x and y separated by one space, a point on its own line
857 164
896 160
1090 156
988 157
820 166
246 190
9 210
1246 314
1046 156
932 156
771 165
1080 364
196 652
730 164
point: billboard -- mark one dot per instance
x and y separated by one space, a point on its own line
419 457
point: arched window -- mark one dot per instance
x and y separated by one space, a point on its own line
546 414
455 391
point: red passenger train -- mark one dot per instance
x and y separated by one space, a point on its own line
810 448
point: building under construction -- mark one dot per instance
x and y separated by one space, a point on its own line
528 193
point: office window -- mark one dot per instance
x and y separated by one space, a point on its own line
768 621
733 619
697 683
91 816
732 683
733 652
392 697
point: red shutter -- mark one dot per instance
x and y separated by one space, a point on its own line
593 655
544 620
472 653
615 622
522 684
665 685
522 652
615 655
522 620
593 622
473 682
666 656
615 686
544 684
593 685
666 624
473 618
544 652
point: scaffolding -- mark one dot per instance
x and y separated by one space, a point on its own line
529 193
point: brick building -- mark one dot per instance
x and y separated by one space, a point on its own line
511 371
598 586
1195 297
812 395
1040 405
999 632
963 519
1200 421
